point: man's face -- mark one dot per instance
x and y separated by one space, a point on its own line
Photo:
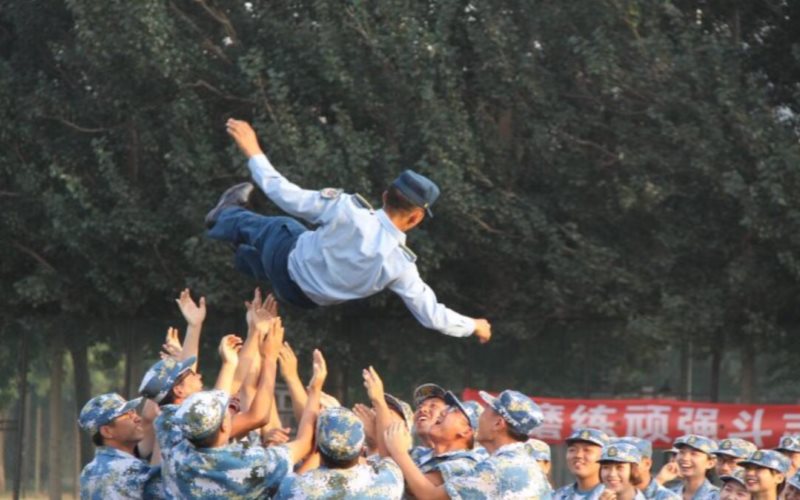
726 464
450 426
582 459
126 428
427 414
191 382
732 490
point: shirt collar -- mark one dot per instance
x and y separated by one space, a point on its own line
509 448
651 489
110 451
389 226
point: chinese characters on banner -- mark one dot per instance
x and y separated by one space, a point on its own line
661 421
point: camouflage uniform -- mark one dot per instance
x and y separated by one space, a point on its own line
231 471
113 473
340 437
653 491
571 491
510 472
539 450
621 452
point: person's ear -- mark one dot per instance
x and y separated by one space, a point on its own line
415 217
106 432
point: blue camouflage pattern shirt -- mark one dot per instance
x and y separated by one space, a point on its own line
509 473
233 471
707 491
379 479
655 491
451 464
115 474
571 492
168 434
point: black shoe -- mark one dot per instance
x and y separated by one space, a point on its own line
236 196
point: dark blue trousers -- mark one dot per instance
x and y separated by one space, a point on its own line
263 245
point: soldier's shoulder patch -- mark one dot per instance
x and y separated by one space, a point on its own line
411 256
330 193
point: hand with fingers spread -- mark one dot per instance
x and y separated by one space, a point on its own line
272 340
320 372
229 348
287 362
374 386
276 436
245 137
250 307
669 472
193 313
367 417
397 438
171 348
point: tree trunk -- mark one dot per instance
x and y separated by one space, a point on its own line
56 375
748 372
83 391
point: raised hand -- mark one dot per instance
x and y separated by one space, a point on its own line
669 472
171 348
367 417
483 330
244 135
250 307
229 348
373 384
287 361
276 436
320 372
397 438
194 314
272 341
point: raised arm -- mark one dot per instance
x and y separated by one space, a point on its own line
304 443
246 377
309 205
421 301
194 314
398 441
229 352
383 417
287 361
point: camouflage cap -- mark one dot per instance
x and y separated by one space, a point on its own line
621 452
518 410
427 391
789 443
737 475
202 413
794 481
538 449
593 436
470 409
735 447
769 459
160 378
340 434
644 446
699 443
103 409
400 407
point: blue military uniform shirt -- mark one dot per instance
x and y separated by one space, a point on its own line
571 492
655 491
169 435
115 474
509 473
451 464
232 471
354 253
379 479
707 491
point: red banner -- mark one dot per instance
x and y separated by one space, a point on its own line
661 421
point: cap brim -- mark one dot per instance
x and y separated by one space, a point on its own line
130 405
452 400
727 478
727 453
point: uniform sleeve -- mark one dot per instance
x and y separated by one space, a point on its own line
167 430
279 465
421 301
154 485
478 484
456 467
306 204
388 481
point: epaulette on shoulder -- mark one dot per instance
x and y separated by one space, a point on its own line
362 202
411 256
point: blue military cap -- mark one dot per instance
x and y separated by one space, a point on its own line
644 446
103 409
418 189
160 378
340 434
538 449
470 409
401 407
770 459
789 443
202 413
427 391
794 481
737 475
621 452
735 447
518 410
594 436
700 443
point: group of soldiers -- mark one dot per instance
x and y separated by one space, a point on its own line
179 440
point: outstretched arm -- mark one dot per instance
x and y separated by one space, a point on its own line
194 314
398 441
304 443
421 301
309 205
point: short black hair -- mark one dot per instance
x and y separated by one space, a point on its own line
397 202
337 464
517 436
97 439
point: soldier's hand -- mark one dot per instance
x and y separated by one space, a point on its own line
171 348
483 330
229 348
194 314
250 307
374 386
272 339
245 137
669 472
367 417
608 495
276 436
320 372
287 361
397 438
